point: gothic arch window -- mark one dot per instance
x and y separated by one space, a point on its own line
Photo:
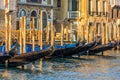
22 13
44 20
34 14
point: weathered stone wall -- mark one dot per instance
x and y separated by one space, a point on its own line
2 19
61 12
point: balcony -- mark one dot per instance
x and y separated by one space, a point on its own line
73 14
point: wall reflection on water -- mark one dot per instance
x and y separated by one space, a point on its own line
85 68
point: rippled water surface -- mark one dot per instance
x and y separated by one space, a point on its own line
85 68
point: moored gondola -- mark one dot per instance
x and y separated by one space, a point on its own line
25 58
72 51
4 57
7 55
101 48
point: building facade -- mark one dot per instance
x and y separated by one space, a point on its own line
97 16
114 18
32 8
28 8
84 14
7 7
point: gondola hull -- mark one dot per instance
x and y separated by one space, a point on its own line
72 51
4 57
20 60
101 48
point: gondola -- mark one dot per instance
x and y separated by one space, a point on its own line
67 52
4 57
101 48
7 55
25 58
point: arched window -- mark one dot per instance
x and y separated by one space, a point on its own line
34 14
22 13
44 20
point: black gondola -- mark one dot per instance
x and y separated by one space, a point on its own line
20 60
101 48
7 55
4 57
72 51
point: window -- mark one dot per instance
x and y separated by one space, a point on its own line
58 3
34 0
73 5
104 7
97 6
90 6
23 0
22 13
117 13
34 14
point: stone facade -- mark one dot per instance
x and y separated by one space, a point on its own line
114 19
2 19
60 12
77 12
29 9
32 9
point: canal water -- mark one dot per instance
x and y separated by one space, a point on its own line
85 68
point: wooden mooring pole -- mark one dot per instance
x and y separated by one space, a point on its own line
47 32
90 33
115 36
41 29
6 31
109 30
106 33
24 35
103 33
20 39
9 33
52 34
33 34
86 33
94 30
71 33
62 34
66 33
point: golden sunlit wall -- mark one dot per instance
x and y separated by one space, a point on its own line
95 6
60 10
83 8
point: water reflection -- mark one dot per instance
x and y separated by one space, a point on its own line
5 74
85 68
